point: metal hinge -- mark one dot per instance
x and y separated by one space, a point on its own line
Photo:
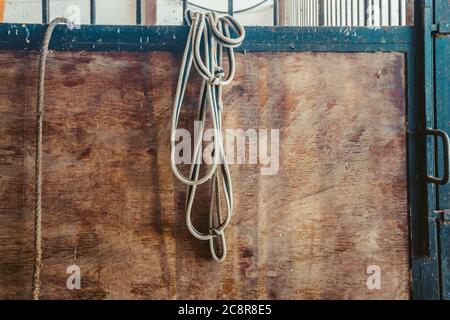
443 27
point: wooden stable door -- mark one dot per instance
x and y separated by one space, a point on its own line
335 212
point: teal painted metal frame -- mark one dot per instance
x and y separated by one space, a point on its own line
278 39
425 260
171 38
435 82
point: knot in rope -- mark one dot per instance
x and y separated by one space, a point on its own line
212 35
218 75
215 232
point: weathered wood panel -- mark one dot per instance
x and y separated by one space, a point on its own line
337 205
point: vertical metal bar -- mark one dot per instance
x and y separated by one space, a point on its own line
330 12
230 8
380 8
389 13
45 11
185 4
276 13
344 13
358 13
429 122
335 12
400 13
93 12
366 12
350 12
138 12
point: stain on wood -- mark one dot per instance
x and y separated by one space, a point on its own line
111 204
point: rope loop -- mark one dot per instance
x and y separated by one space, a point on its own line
220 29
208 37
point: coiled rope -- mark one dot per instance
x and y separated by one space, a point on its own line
36 284
212 34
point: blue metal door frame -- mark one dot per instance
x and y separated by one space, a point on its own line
413 41
436 48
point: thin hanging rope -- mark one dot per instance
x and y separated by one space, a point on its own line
36 284
213 35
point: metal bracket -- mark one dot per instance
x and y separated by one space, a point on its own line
442 215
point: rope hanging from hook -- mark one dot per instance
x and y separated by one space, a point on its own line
36 284
212 34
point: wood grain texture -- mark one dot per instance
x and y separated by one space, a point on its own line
111 203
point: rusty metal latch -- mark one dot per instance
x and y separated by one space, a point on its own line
445 143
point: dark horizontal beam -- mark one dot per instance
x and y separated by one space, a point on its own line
172 38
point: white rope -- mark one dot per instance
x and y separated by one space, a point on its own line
212 34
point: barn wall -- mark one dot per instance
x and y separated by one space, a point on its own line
111 204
